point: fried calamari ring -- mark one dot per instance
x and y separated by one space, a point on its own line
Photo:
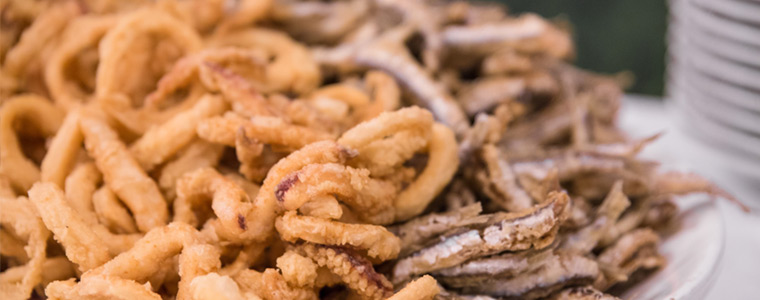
315 153
123 175
116 54
79 187
161 142
292 68
146 256
111 213
212 286
208 67
35 39
423 288
199 154
64 148
296 269
195 261
20 110
82 245
442 164
370 199
19 214
271 285
378 241
386 124
354 270
81 34
240 220
100 287
267 130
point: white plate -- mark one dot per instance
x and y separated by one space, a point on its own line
741 11
695 251
726 113
740 32
693 255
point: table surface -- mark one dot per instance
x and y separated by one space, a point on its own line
739 270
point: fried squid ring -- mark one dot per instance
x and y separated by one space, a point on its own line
241 221
146 256
161 142
37 37
292 68
271 285
423 288
80 35
267 130
195 261
64 148
378 241
315 153
111 213
199 154
442 164
296 269
20 215
82 245
370 199
100 287
116 54
79 187
44 118
208 67
354 270
123 175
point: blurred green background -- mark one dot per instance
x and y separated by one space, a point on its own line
612 35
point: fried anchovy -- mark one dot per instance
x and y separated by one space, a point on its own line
415 232
584 240
634 251
499 232
582 293
558 271
501 184
502 265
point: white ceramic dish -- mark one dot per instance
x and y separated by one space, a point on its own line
740 11
740 32
692 260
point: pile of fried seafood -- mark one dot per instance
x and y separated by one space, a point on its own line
283 149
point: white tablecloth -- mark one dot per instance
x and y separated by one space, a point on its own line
739 270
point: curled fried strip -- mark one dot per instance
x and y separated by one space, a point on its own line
79 187
100 287
123 175
423 288
270 285
20 215
371 199
195 261
241 220
267 130
64 148
82 245
386 124
212 286
56 268
296 269
44 118
356 272
315 153
442 163
81 34
111 213
139 262
378 241
161 142
199 154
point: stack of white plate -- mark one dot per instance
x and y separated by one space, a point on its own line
714 74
